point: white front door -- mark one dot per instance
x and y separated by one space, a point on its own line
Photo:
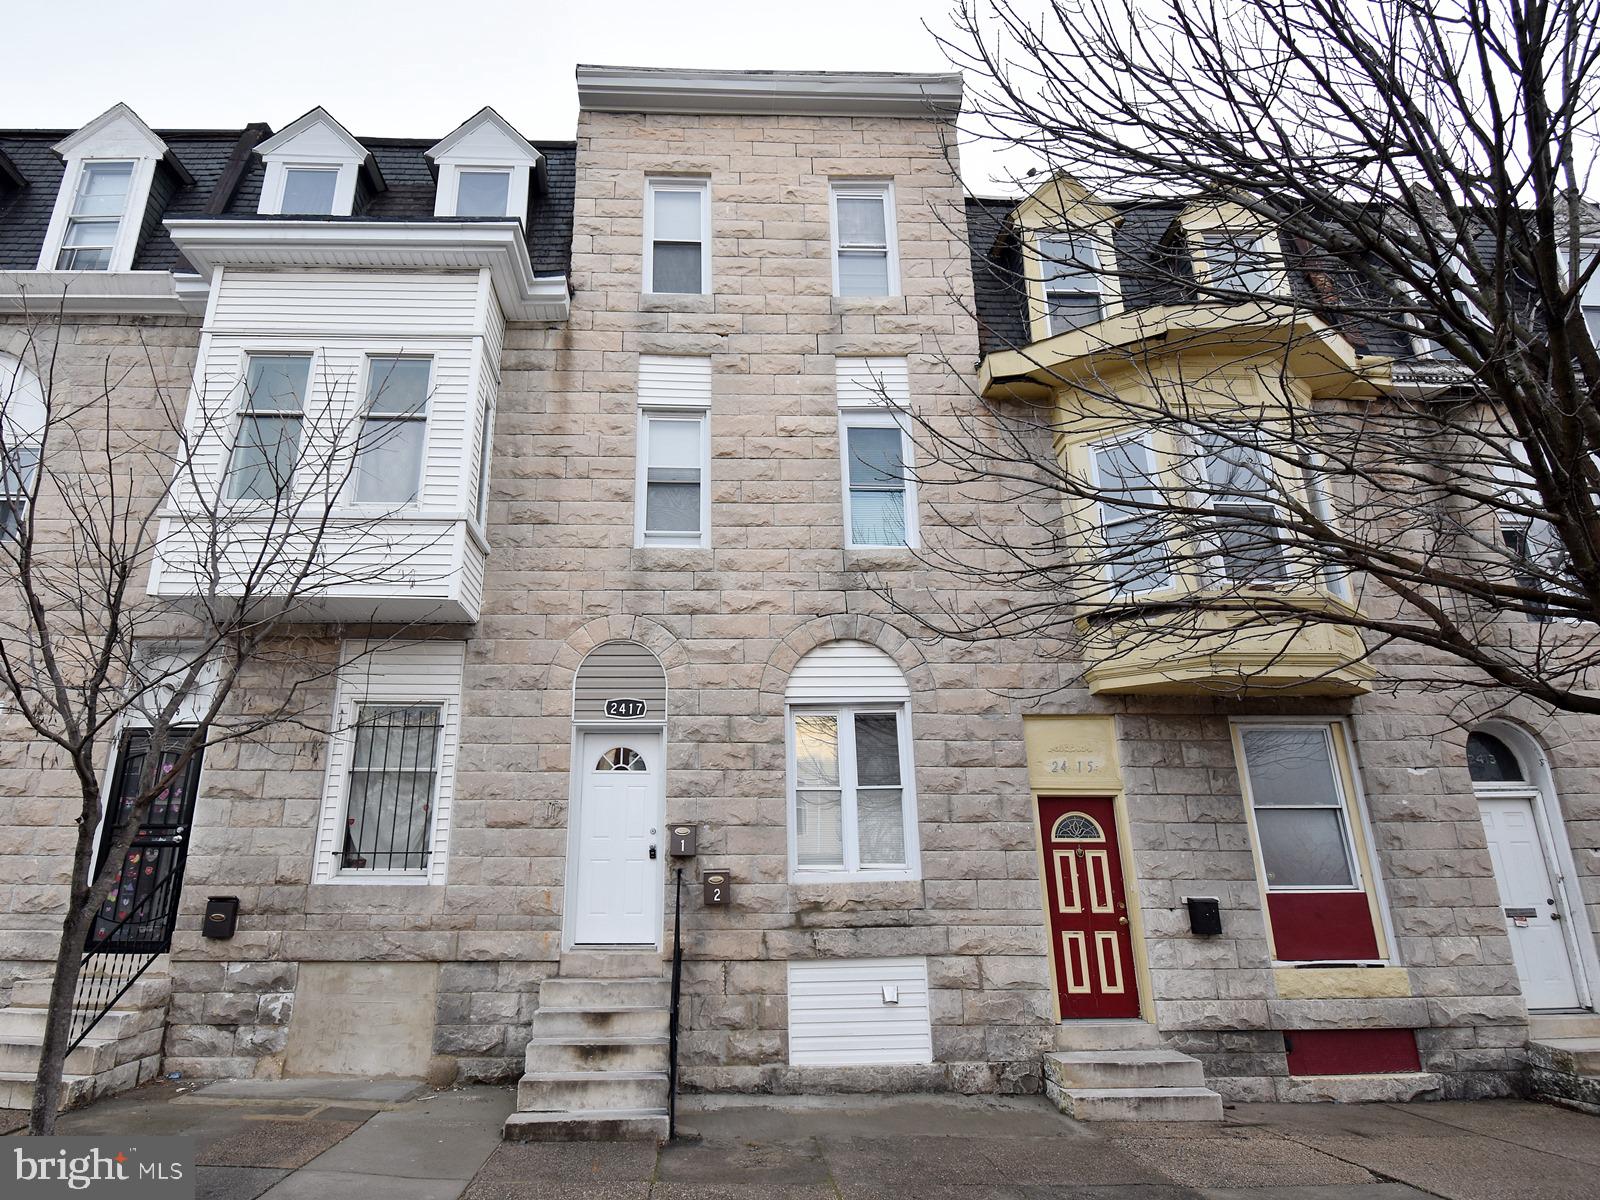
1528 897
618 882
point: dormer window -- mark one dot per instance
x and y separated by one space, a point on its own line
1238 261
99 205
105 188
314 168
1070 267
486 169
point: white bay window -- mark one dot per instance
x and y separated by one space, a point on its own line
270 418
394 433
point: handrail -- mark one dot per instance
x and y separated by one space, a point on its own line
677 984
93 996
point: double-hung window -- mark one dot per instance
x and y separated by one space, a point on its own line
849 789
865 258
394 431
878 497
23 418
392 787
482 193
677 234
1133 529
268 443
1070 268
1237 487
673 496
308 191
1237 262
99 206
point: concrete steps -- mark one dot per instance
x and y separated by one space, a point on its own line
122 1051
596 1063
1121 1071
1564 1058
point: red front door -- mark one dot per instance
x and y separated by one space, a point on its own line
1090 941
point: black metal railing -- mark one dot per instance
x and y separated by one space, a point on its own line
677 988
119 955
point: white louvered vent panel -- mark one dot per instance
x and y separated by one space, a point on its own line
838 1016
873 382
674 381
846 672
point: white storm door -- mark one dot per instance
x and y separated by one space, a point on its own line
1538 942
618 883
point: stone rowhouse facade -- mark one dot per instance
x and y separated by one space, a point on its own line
729 622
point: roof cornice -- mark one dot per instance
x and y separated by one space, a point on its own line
401 246
799 93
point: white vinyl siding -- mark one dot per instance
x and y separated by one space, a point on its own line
839 1017
677 236
426 675
673 489
872 383
846 673
866 258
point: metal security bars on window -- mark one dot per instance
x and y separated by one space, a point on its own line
394 772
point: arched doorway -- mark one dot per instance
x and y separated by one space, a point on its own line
1526 841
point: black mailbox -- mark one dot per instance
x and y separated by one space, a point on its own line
1205 915
682 840
718 887
222 916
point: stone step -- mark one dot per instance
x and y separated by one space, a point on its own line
610 964
583 1024
1131 1034
600 1125
16 1089
1544 1026
21 1054
1123 1069
1574 1055
30 1022
148 991
582 1091
596 1054
1141 1104
568 992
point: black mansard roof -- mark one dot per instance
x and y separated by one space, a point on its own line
227 183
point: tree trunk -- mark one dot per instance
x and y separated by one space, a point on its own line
58 1024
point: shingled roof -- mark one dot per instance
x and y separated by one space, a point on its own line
218 191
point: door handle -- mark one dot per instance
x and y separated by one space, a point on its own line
1122 920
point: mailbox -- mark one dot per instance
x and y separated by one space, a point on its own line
718 887
682 839
1205 915
222 916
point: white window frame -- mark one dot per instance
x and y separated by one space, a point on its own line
863 418
1206 498
351 500
1262 243
449 194
1352 854
277 178
852 871
25 418
643 538
128 223
1046 257
420 673
671 183
1102 529
243 411
285 170
862 189
480 506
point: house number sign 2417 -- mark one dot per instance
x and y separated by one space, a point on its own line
625 708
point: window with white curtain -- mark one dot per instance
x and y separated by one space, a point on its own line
677 234
865 257
22 429
271 412
99 206
394 432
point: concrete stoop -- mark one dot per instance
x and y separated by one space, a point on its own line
1564 1059
596 1063
1121 1071
121 1052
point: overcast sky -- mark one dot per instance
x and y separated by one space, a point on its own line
403 69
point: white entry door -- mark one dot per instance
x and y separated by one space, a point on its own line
1532 907
618 883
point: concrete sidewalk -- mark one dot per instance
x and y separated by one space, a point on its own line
313 1140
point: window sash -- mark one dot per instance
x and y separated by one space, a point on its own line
493 201
863 266
851 791
1237 262
668 480
261 467
1337 805
873 519
661 270
1148 562
413 769
318 188
391 451
94 222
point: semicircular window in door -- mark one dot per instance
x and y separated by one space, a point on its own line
620 758
1075 827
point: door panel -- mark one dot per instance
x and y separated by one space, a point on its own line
1538 943
1091 940
618 883
139 913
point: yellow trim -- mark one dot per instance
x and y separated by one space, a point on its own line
1341 983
